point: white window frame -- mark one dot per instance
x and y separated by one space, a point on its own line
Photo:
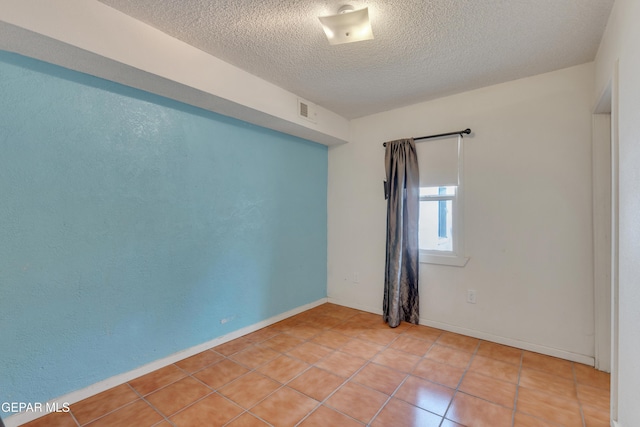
456 256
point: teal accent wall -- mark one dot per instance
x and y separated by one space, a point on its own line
130 225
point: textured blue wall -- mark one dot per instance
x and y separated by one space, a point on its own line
131 224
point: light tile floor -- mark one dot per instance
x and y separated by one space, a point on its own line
336 366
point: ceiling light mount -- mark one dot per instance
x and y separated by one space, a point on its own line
346 8
348 26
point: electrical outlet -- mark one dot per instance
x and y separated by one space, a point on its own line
471 296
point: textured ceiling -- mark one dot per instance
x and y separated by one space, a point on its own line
422 49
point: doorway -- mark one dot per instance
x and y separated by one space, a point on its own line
605 235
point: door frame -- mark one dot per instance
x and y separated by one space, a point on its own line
605 158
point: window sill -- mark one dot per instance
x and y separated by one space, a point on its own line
451 260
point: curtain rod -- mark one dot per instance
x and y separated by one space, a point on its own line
460 132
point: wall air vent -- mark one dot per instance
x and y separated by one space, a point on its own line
306 110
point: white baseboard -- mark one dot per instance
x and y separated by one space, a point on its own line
356 306
78 395
615 424
537 348
563 354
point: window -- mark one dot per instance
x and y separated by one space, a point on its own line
436 218
440 222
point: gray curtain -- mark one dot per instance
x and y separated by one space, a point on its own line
403 198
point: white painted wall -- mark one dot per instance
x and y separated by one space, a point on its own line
621 44
527 213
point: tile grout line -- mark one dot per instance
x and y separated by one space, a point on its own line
103 415
282 385
456 390
74 418
250 370
165 417
113 410
515 398
575 384
415 365
409 374
188 375
246 411
321 403
216 391
345 381
537 416
367 362
213 391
